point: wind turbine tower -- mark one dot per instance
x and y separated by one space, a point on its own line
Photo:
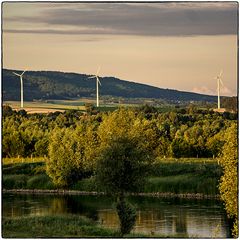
219 83
97 82
21 80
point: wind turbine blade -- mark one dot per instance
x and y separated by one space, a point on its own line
220 74
221 82
99 81
98 71
24 71
16 74
92 77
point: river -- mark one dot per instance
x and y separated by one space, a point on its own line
193 217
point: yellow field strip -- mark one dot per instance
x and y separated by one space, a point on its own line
23 160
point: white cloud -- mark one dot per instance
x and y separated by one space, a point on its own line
205 90
226 91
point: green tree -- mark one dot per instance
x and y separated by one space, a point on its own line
63 164
180 148
41 146
89 108
72 154
122 168
126 123
116 124
229 181
215 144
13 144
7 110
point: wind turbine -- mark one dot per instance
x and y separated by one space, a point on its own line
21 80
97 82
219 82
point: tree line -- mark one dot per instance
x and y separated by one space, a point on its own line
173 134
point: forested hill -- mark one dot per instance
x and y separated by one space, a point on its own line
61 85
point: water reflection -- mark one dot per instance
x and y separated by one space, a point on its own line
195 218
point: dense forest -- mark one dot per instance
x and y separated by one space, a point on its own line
183 133
60 85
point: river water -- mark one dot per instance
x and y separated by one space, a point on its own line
195 218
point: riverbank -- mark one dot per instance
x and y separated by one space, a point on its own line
64 226
75 192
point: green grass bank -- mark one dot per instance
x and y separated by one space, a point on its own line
172 176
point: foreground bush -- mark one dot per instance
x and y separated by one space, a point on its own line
52 226
229 180
127 216
40 181
14 181
59 226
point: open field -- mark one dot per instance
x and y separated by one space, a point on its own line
59 105
43 107
48 106
6 161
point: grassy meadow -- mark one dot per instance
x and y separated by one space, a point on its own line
167 176
77 104
61 105
38 106
53 226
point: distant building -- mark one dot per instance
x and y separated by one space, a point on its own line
220 110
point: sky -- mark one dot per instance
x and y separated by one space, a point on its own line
174 45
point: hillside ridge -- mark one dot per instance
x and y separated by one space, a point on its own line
65 85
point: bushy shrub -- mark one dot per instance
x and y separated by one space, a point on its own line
121 167
229 181
86 184
40 182
14 181
127 216
41 147
40 169
71 155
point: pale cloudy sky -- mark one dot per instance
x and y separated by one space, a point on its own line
181 45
